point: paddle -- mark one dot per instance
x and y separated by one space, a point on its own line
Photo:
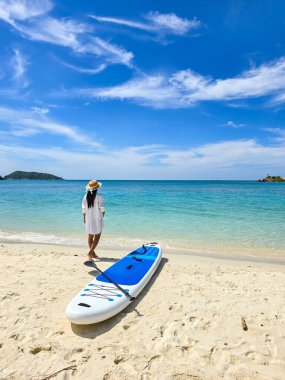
93 265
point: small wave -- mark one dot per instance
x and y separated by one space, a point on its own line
40 238
108 242
127 243
34 237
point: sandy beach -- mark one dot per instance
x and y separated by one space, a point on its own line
199 318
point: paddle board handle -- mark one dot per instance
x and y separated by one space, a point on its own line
129 297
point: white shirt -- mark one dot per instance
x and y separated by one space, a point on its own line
94 215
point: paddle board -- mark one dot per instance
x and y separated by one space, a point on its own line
101 299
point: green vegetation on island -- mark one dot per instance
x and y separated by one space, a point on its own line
30 175
272 178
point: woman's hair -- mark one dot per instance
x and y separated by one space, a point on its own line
91 195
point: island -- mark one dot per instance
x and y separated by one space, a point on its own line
30 175
271 178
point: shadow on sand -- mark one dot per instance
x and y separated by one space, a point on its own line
95 272
107 260
92 331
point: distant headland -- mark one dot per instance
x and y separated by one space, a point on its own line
272 178
30 175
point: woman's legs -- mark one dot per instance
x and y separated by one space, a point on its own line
93 241
96 240
90 240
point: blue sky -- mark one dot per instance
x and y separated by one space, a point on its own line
143 90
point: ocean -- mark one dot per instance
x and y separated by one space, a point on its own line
230 217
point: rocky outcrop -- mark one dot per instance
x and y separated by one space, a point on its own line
271 178
31 175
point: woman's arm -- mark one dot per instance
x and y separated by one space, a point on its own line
84 208
102 205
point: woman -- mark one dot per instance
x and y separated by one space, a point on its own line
93 213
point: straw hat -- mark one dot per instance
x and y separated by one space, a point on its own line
93 185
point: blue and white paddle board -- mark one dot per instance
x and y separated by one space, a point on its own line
101 299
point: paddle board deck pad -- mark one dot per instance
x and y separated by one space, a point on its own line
101 299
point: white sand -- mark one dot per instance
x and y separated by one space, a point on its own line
185 325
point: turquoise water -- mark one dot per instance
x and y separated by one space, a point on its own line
218 216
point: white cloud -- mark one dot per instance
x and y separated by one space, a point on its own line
34 121
264 80
63 32
18 66
124 22
166 23
233 159
228 154
186 88
15 84
40 111
83 70
115 53
241 159
279 132
232 124
280 98
30 18
19 10
76 36
148 91
171 23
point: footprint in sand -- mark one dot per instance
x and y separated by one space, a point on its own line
161 330
193 321
231 285
215 355
206 326
117 374
130 323
70 354
42 349
10 295
175 307
271 347
78 355
60 332
148 363
121 358
15 336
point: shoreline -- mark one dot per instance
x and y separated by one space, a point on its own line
278 260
